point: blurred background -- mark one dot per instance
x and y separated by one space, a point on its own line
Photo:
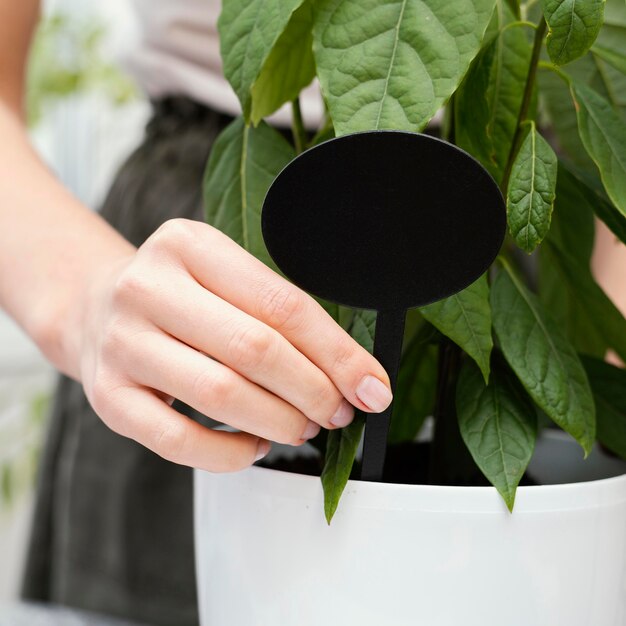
85 116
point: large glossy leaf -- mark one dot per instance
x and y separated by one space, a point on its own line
590 194
615 57
559 107
472 112
610 46
341 448
573 27
608 322
542 358
603 133
573 229
531 190
498 424
466 319
248 31
609 389
243 163
488 102
592 70
392 64
289 67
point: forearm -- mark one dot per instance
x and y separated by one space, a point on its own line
609 265
51 247
609 268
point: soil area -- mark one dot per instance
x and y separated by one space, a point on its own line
407 463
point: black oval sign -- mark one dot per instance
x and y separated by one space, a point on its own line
384 220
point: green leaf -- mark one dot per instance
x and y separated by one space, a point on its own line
244 162
363 328
614 57
609 389
572 229
559 107
489 100
597 73
6 484
610 44
589 197
573 27
342 444
341 448
530 195
603 133
542 358
248 30
466 319
392 64
289 68
608 321
414 398
609 56
498 424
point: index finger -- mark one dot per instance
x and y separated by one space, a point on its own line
226 269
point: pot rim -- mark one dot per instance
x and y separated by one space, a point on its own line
566 496
362 494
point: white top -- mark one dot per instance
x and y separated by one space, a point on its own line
178 52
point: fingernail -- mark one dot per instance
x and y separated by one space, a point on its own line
374 394
344 414
262 450
312 429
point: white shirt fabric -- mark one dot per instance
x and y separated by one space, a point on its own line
178 53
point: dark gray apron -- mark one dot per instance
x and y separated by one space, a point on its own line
113 521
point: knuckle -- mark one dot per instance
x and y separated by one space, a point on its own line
282 306
249 347
170 440
172 234
131 287
213 390
293 433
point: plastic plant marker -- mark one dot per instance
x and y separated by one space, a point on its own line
383 220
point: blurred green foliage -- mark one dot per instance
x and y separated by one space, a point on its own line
67 57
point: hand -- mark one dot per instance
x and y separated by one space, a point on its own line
193 316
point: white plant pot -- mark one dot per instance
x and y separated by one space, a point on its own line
412 555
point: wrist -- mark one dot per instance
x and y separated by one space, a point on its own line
62 329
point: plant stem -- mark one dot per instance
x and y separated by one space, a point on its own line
322 132
297 127
526 100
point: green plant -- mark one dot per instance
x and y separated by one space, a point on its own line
66 58
20 448
537 93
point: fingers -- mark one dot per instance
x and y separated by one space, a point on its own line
224 268
254 350
175 369
140 415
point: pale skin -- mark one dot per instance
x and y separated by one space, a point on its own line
188 315
135 326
